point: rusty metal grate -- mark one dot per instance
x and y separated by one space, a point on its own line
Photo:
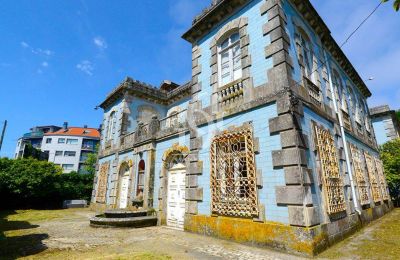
372 177
362 183
331 180
233 174
102 183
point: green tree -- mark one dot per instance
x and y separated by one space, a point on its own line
30 183
90 163
398 115
396 4
390 154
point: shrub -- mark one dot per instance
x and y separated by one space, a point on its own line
390 155
30 183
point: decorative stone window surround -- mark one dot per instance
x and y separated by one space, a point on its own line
362 183
237 25
102 181
238 199
329 171
373 178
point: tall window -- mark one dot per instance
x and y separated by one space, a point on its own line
230 59
111 125
140 180
332 181
306 53
233 176
340 96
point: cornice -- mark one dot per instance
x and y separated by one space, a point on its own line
145 91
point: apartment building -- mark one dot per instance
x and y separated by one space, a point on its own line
65 146
69 147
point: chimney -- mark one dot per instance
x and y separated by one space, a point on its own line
65 125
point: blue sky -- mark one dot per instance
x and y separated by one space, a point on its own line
59 59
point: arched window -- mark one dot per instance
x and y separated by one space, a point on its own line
112 120
230 59
351 100
306 54
140 179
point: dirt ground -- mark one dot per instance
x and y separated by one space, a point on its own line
66 234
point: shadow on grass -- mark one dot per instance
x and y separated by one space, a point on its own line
14 246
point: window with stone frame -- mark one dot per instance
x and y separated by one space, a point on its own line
233 174
229 59
102 183
371 168
331 180
305 53
381 177
140 179
362 184
112 121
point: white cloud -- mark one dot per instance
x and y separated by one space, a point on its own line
86 67
100 43
25 45
38 51
45 64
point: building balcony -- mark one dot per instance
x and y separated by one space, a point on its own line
174 121
156 128
346 120
314 92
231 95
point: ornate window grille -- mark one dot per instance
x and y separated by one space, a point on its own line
372 177
102 183
379 168
362 184
233 174
332 182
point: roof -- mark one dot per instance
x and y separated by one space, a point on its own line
77 131
219 10
380 110
148 92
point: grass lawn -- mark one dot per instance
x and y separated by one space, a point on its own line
379 240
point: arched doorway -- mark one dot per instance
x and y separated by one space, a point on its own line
176 195
123 187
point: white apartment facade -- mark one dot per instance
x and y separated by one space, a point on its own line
70 146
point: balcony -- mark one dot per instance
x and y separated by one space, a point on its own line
346 120
314 92
231 95
127 141
173 122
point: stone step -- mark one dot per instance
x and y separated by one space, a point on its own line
135 222
124 214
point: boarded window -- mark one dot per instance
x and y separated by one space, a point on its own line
102 183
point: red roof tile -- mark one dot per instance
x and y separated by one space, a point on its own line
77 131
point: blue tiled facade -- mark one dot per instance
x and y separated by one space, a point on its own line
275 97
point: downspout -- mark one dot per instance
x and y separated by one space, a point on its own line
346 151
